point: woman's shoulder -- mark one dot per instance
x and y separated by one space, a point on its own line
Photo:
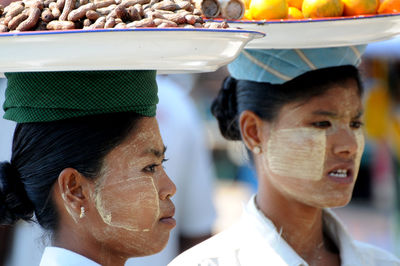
213 251
375 255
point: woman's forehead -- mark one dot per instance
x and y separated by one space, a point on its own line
338 101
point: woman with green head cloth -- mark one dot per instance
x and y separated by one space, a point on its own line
87 163
299 114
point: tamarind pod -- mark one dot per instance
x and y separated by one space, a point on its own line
198 25
3 28
121 12
47 15
83 2
164 12
152 2
134 14
14 23
139 9
159 21
186 5
128 3
146 22
34 3
118 20
103 3
13 5
118 2
104 11
99 23
15 10
92 15
197 12
199 19
80 12
60 25
153 14
168 24
121 25
56 12
190 19
216 25
187 26
178 18
165 5
41 26
47 2
60 4
31 21
1 10
87 22
110 23
69 5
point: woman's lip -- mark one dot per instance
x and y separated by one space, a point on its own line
168 221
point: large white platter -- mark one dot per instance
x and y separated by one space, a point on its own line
172 50
329 32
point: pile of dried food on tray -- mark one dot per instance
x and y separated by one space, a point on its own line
31 15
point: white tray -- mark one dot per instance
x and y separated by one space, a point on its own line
172 50
329 32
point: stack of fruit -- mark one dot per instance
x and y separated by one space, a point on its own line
298 9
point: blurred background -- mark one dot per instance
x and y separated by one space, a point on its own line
211 193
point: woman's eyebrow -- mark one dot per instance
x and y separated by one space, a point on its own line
335 115
325 113
158 153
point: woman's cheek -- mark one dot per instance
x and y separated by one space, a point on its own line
296 153
132 204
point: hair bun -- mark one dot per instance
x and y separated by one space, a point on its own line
224 108
14 202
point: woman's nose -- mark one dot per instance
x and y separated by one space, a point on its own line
345 143
167 187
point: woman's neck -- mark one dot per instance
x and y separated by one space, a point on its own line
300 225
77 241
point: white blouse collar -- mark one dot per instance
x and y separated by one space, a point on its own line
54 256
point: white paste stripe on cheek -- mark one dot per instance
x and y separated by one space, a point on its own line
297 153
359 135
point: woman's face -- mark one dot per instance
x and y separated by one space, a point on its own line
312 152
131 199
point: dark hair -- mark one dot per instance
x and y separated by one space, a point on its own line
266 99
42 150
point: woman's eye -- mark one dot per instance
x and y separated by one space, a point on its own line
356 124
322 124
151 168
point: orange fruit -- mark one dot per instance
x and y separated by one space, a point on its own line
295 13
247 3
322 8
269 9
295 3
389 6
247 15
360 7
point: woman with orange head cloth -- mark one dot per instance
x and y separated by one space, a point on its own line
87 162
299 114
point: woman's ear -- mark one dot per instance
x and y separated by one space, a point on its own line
251 128
73 188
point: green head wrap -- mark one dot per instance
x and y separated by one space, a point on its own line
50 96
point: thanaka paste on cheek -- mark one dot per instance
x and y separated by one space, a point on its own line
359 135
116 207
297 153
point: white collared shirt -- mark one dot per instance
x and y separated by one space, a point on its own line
254 241
54 256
